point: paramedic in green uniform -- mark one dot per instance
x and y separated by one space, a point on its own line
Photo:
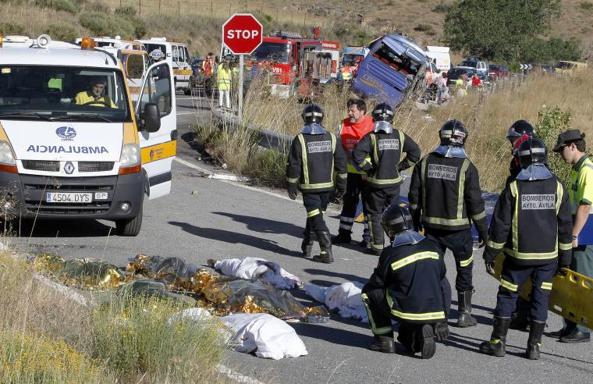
571 145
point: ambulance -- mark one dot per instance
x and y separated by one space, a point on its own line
132 55
176 54
73 145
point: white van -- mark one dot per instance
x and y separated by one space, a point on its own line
176 54
440 57
72 143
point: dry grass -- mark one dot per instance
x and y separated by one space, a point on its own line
47 338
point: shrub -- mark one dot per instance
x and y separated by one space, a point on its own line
586 5
552 120
9 28
133 337
58 5
107 25
30 359
62 32
269 168
426 28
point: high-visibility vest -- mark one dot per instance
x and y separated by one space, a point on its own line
223 78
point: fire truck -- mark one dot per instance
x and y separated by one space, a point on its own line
293 65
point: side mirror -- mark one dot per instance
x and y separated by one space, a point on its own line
150 119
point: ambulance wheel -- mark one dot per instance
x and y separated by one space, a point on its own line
129 227
187 91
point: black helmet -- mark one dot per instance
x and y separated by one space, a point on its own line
532 151
519 128
383 112
312 114
396 219
453 132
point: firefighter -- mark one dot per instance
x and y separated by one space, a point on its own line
353 128
520 131
314 156
410 285
445 198
383 154
571 145
532 226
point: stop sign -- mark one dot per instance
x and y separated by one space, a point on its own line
242 33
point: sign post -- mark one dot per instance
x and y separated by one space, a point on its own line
242 34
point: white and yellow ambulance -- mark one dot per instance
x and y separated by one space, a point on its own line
176 54
73 145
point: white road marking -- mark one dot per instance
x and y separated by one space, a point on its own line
239 378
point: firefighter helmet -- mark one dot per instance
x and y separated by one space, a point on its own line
532 151
519 128
396 219
383 112
453 132
312 113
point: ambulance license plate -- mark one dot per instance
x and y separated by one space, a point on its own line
68 197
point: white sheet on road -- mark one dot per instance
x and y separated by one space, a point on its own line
252 268
266 335
344 297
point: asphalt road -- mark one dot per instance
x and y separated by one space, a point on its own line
205 218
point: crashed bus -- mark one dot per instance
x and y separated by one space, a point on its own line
391 67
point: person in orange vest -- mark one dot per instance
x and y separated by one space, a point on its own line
346 72
208 66
353 128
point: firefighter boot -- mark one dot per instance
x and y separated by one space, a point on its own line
497 343
383 344
425 342
307 244
520 318
465 318
536 331
325 244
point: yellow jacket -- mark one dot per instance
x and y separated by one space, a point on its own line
224 78
86 98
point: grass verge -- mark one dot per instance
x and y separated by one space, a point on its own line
48 338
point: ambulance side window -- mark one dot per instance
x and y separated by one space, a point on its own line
158 90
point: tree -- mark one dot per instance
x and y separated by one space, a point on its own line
500 29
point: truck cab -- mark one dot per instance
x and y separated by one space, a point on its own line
73 145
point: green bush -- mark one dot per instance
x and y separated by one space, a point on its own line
107 25
586 5
126 11
59 5
426 28
552 120
133 338
62 32
8 28
129 14
269 168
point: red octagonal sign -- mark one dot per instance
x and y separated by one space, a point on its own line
242 33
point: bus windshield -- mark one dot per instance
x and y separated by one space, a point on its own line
401 63
62 94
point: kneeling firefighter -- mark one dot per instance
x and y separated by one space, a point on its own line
312 161
383 154
410 285
532 225
445 198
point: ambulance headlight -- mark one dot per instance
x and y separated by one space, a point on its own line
6 156
130 155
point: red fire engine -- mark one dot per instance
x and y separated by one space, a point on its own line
295 65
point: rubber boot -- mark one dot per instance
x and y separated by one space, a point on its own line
343 237
536 331
425 342
325 244
307 244
383 344
465 318
497 343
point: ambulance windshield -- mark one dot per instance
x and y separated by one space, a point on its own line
62 94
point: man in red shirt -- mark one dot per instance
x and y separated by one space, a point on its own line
353 128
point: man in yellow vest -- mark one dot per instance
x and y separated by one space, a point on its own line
95 96
224 80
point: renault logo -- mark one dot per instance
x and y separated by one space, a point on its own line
66 133
69 168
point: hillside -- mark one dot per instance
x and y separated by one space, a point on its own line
198 21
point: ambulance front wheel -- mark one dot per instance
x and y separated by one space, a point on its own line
129 227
